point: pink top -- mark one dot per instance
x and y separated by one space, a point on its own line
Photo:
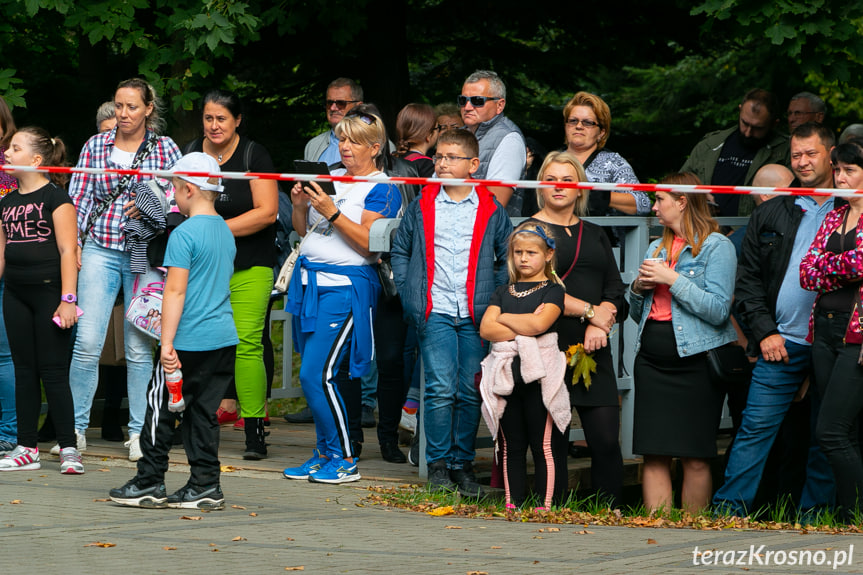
660 307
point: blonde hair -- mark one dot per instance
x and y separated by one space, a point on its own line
696 219
567 158
527 231
355 127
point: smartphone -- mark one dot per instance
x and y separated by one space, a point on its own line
306 167
56 318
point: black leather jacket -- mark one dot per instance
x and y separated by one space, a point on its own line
764 258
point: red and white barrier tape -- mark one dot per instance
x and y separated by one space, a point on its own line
704 188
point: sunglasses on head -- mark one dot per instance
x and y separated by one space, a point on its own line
475 101
340 104
365 118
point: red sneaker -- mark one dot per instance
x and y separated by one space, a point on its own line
225 417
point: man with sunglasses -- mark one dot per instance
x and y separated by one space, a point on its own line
502 153
343 94
731 157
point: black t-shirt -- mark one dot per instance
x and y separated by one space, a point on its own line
551 293
841 300
31 246
731 169
258 249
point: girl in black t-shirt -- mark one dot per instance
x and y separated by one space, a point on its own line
522 377
38 243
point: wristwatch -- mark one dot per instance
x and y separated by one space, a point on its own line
69 298
588 312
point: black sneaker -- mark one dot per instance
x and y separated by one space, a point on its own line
193 497
391 452
439 477
466 481
302 416
134 494
414 451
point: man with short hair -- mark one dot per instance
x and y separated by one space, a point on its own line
770 300
502 153
805 107
342 95
731 157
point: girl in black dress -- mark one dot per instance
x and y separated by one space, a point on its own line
522 385
594 294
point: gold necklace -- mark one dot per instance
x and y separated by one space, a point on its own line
528 291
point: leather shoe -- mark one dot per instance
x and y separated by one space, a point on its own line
302 416
391 452
465 480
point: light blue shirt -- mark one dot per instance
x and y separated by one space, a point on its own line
331 154
794 304
453 232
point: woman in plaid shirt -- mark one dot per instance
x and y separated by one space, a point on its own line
103 261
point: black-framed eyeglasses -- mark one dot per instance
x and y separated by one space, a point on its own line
448 159
475 101
340 104
586 123
442 127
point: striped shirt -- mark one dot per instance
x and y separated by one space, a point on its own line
89 190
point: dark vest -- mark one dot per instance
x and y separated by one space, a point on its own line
490 135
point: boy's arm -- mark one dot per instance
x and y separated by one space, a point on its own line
501 244
532 324
492 330
172 308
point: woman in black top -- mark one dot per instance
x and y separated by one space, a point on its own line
250 208
594 295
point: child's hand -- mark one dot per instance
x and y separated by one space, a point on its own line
170 361
538 310
67 314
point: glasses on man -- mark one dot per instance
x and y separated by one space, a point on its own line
586 123
475 101
340 104
442 127
448 159
799 114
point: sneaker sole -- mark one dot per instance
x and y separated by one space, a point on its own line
297 477
254 456
346 479
203 504
72 471
28 467
146 502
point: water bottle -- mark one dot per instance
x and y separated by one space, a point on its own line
174 382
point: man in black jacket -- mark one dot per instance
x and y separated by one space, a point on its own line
770 300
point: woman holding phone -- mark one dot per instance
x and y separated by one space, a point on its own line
250 208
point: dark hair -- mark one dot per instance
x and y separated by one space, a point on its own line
463 138
52 150
356 89
227 100
810 129
149 96
414 124
7 124
851 152
759 98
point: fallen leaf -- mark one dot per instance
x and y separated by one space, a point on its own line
104 470
169 548
212 544
214 550
289 538
441 511
496 547
477 573
238 538
549 529
227 468
101 500
238 507
100 544
452 527
297 568
651 541
253 514
189 518
15 501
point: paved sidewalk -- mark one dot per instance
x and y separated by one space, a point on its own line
328 529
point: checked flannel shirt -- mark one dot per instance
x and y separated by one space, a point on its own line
90 190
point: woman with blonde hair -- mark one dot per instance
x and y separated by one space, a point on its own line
594 295
681 301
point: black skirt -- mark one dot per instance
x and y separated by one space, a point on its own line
677 408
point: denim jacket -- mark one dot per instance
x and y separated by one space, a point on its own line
700 297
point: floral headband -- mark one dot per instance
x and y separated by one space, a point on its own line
538 231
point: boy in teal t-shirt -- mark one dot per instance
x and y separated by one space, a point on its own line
199 337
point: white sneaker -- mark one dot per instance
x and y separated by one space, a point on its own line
70 462
134 445
81 440
408 421
21 459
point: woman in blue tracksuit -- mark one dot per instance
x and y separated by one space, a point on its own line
335 288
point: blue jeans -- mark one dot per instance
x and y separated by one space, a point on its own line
770 393
103 272
452 351
8 415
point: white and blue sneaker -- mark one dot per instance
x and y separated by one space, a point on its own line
336 470
305 470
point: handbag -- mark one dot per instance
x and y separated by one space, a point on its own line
145 309
388 284
728 365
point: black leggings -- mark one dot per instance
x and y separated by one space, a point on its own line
40 352
601 426
526 422
390 334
